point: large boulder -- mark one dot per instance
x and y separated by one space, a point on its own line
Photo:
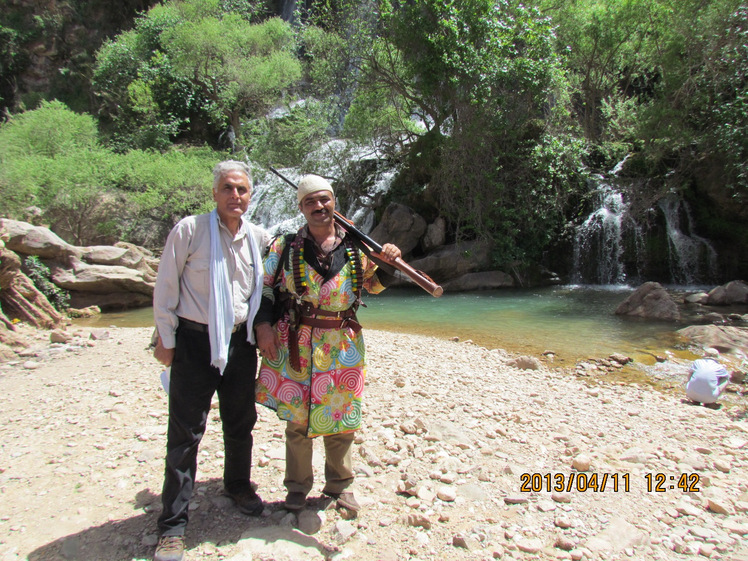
724 338
734 292
111 277
400 225
479 281
453 261
20 299
27 239
650 301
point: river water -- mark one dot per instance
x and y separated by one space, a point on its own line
574 322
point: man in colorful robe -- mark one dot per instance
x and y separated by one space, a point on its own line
313 366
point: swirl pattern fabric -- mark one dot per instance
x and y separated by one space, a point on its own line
326 393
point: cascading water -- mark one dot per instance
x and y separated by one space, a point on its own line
693 260
274 204
610 248
599 243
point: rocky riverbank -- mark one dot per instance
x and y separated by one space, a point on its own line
455 462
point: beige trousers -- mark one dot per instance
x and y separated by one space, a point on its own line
299 472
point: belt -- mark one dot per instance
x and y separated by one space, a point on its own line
203 328
331 323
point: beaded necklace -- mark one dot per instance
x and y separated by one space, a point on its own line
299 266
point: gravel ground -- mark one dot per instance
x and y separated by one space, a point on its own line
463 456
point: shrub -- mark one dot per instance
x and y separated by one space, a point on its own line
39 274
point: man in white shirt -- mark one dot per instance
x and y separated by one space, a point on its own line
706 381
206 296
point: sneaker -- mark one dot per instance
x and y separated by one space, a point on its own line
346 499
247 501
170 548
295 501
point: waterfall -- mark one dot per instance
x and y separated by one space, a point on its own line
693 260
609 244
599 243
273 204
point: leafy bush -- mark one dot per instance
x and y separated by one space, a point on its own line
39 274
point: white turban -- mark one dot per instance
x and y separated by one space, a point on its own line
311 184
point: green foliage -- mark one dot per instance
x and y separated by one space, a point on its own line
40 275
483 73
609 49
89 194
287 136
193 63
49 131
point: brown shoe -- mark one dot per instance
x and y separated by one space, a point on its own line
295 501
247 501
170 548
346 499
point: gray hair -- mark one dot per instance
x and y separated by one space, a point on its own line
222 168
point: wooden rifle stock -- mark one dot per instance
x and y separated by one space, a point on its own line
375 249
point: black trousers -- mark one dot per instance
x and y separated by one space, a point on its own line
192 385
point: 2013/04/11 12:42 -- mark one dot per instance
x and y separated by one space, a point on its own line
660 483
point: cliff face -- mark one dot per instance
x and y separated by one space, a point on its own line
48 47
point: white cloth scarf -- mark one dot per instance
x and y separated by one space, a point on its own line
221 305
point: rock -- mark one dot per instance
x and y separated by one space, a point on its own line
515 499
724 338
697 298
565 543
651 301
418 520
436 234
446 494
453 261
484 280
529 545
344 531
60 336
581 463
310 521
88 312
720 505
112 277
620 359
618 535
525 363
401 226
465 542
734 292
27 239
99 334
19 297
735 526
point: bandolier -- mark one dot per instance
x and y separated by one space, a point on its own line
301 312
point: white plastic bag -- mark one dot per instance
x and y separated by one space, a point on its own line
165 378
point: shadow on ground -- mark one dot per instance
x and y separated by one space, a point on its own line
215 522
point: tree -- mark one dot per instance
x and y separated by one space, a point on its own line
191 61
609 48
480 78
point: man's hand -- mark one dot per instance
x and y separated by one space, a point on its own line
163 355
267 340
391 251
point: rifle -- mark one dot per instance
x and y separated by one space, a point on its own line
374 249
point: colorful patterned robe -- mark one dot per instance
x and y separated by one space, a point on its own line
326 394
